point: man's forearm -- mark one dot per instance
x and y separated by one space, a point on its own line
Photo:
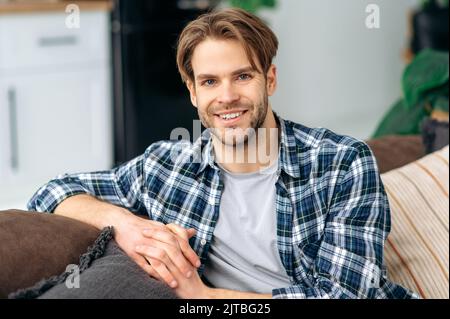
90 210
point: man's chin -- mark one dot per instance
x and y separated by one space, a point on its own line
234 137
235 142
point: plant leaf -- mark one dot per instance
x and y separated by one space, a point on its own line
430 69
435 98
401 121
252 5
268 3
441 104
247 5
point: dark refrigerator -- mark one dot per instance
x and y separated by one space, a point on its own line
150 99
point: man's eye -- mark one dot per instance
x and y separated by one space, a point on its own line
244 77
208 82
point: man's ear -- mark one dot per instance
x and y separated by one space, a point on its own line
271 80
191 87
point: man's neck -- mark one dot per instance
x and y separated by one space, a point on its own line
259 152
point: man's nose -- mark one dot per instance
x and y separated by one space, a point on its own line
228 94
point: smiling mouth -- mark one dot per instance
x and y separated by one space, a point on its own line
230 117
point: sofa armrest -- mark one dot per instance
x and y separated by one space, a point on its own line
395 151
34 246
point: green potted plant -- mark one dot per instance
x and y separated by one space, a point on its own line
252 5
425 91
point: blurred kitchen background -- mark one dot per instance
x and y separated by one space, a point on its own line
89 92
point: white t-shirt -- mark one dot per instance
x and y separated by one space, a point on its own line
243 254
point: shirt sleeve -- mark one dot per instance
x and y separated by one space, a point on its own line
349 262
119 186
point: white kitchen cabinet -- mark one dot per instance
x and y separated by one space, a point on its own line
55 101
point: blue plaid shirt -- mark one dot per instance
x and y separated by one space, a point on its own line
332 211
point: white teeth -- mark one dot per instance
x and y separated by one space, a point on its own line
231 116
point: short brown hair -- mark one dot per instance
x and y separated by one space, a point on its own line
254 35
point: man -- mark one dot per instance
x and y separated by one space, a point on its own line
307 220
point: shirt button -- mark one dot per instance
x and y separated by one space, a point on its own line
203 242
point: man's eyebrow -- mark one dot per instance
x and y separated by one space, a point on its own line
238 71
205 76
246 69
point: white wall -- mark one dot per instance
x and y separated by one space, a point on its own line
333 71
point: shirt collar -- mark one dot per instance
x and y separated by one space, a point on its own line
205 145
288 154
289 149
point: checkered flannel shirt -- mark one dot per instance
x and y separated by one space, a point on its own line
332 211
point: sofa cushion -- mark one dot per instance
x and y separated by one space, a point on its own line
416 251
113 276
34 246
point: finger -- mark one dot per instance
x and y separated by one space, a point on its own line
187 250
168 253
164 273
191 232
143 263
160 263
151 271
189 253
184 233
165 236
178 230
178 243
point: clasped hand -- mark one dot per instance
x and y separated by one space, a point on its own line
163 251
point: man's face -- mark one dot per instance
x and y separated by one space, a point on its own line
231 97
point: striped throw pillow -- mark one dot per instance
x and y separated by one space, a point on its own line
416 251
